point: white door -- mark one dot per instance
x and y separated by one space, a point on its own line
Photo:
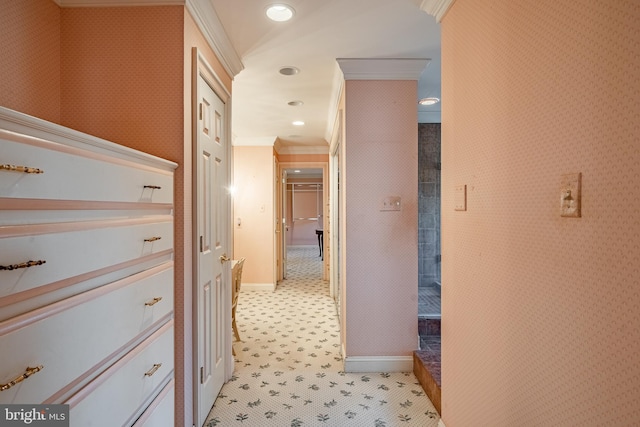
211 170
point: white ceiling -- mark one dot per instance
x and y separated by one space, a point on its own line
320 32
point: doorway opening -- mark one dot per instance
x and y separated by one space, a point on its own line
304 210
303 221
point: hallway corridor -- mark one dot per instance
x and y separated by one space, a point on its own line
288 365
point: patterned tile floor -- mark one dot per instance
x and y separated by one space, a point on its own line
289 366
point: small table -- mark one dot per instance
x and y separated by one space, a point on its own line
319 233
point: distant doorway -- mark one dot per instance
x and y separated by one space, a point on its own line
303 211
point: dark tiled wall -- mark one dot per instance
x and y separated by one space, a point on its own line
429 203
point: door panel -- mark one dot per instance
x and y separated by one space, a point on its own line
211 218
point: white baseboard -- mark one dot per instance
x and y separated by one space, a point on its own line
378 364
258 287
441 423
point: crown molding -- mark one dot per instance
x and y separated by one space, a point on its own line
201 11
254 141
207 20
437 8
382 68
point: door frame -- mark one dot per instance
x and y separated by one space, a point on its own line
325 208
201 68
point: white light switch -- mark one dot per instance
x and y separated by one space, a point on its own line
391 203
460 198
570 195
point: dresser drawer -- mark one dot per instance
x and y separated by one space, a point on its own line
72 339
71 173
70 254
160 412
120 394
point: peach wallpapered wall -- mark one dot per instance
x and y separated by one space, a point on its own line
30 57
292 158
381 248
541 324
123 74
253 204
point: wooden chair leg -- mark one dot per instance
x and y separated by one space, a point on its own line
234 326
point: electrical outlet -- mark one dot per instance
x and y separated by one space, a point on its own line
391 203
570 195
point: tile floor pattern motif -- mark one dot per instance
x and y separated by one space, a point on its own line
288 369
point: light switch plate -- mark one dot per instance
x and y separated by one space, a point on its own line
460 198
571 195
391 203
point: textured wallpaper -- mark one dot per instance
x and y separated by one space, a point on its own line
381 248
122 73
541 324
30 57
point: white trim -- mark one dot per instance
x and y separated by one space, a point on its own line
378 364
436 8
209 24
33 127
254 141
441 423
337 87
382 68
258 287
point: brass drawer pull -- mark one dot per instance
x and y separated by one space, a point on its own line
22 265
153 301
25 169
153 187
27 373
152 239
153 370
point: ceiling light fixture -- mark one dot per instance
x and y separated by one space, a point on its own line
295 103
298 123
280 12
429 101
289 71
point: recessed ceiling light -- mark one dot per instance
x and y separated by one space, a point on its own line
429 101
298 123
289 71
280 12
295 103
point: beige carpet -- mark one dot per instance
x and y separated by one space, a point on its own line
289 367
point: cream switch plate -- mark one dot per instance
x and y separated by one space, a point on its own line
570 195
460 198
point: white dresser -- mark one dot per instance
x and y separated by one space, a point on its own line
86 275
